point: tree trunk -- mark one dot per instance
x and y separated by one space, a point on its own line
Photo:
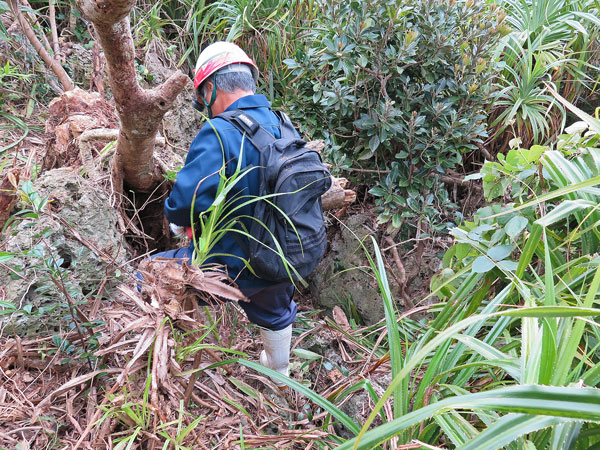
140 110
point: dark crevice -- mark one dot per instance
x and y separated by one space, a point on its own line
66 257
146 212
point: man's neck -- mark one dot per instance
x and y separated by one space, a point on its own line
226 99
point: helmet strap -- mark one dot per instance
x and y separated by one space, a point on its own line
212 98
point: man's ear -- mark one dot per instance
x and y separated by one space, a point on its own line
207 89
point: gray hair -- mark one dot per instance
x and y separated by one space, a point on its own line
233 77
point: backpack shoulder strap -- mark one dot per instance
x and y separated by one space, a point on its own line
245 123
287 128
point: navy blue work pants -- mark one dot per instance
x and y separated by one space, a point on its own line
271 306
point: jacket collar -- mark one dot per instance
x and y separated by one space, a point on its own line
250 101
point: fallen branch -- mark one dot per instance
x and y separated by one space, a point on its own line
337 196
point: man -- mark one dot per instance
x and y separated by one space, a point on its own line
225 79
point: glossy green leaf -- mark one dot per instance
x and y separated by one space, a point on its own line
500 252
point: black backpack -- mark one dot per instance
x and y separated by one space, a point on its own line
296 172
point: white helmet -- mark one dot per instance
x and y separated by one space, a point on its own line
219 55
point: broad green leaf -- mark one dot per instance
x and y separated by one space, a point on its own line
473 176
507 265
515 226
374 143
534 153
500 252
245 388
482 264
306 354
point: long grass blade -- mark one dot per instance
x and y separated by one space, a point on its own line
564 402
509 428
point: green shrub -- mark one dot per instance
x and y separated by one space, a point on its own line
398 91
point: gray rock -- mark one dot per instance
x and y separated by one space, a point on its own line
344 275
79 211
182 122
80 60
359 404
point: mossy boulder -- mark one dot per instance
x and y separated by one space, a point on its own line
344 277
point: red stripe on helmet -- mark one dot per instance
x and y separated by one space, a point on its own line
218 62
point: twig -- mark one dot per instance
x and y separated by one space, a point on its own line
75 312
52 11
402 271
190 387
356 169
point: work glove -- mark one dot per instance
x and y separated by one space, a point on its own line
177 230
276 353
181 232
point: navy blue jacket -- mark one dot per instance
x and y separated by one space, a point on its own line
205 158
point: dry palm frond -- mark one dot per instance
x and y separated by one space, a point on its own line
147 366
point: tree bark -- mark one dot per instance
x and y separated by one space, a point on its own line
140 110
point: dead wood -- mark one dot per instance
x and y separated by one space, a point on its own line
176 283
140 110
400 275
337 196
70 116
317 145
97 76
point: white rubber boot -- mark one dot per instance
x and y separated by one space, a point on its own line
276 353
